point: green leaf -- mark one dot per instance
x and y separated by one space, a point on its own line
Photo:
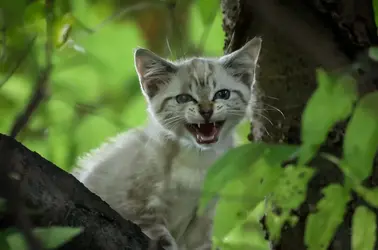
292 188
289 194
34 17
13 12
63 29
3 206
3 241
51 237
243 177
332 102
364 229
361 138
369 194
275 221
239 161
247 234
373 53
207 10
375 7
322 225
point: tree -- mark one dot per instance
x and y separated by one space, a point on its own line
299 36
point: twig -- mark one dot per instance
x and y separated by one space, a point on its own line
43 78
34 102
20 60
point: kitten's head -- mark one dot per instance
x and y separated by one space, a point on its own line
200 99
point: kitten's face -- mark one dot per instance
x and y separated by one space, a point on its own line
200 100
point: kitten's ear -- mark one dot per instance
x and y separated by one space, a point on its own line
242 62
153 71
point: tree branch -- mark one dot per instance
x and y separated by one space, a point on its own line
60 199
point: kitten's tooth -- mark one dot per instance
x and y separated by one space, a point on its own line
199 125
214 124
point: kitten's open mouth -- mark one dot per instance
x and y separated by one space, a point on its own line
205 133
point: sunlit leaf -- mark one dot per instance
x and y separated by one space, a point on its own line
51 237
373 53
332 102
364 229
230 166
247 232
322 225
241 160
63 28
369 194
292 187
361 138
35 17
289 193
275 222
208 10
255 167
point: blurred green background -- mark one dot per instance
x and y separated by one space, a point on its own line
94 91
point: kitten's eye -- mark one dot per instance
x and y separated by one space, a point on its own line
222 94
184 98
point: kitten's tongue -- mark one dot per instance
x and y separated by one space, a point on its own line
207 133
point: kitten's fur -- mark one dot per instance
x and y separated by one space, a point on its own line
153 175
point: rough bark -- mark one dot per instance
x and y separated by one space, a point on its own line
55 197
299 36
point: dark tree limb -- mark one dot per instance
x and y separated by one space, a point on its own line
57 198
299 36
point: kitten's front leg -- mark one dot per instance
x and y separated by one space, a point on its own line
199 233
160 236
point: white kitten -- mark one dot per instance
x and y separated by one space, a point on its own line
153 175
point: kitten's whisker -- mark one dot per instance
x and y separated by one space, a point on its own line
277 109
266 130
270 97
168 46
172 118
266 118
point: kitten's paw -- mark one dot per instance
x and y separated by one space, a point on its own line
167 243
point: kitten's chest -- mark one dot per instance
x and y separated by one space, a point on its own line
189 169
187 176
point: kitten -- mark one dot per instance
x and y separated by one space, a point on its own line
153 175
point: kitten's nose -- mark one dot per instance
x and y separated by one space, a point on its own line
206 110
206 114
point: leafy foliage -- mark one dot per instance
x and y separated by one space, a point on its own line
286 188
208 10
361 138
364 229
336 94
375 7
322 225
94 94
52 237
373 53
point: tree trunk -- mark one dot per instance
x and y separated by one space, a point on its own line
54 197
299 36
